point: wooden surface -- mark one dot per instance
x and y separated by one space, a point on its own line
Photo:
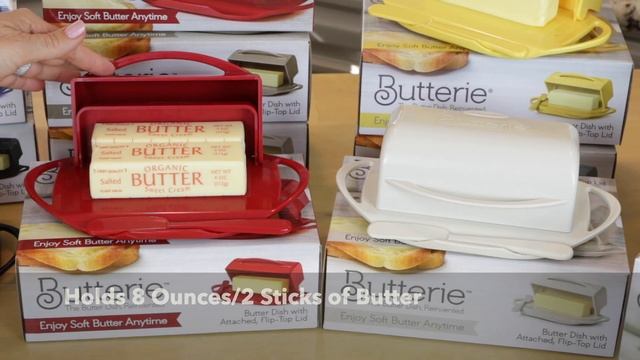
333 124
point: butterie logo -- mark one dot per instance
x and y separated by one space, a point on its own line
390 92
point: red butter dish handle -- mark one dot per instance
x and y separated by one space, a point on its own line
31 179
303 179
227 67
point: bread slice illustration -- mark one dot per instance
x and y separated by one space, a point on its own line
117 47
394 258
411 52
82 259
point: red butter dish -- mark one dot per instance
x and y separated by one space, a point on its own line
239 10
234 96
288 272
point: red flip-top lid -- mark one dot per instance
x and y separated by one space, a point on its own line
268 268
162 98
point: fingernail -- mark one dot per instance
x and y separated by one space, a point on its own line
75 30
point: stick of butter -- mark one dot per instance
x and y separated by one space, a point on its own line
5 162
563 302
574 99
170 132
259 283
168 170
530 12
270 78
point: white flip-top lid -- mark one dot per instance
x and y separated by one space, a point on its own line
479 158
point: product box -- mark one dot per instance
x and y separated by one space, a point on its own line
181 15
385 287
282 59
17 151
12 106
402 67
162 287
7 5
630 341
278 138
595 160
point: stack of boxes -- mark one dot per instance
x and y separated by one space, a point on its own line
75 286
402 67
17 138
275 47
572 306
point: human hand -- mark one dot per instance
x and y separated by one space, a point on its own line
54 53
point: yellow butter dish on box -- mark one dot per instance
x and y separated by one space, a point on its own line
488 33
575 96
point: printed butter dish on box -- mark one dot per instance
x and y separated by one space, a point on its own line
17 151
53 257
184 15
402 67
630 341
288 53
458 297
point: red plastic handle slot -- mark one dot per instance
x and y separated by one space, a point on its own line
303 180
31 179
227 67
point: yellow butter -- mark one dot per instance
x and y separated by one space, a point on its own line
5 162
530 12
170 132
574 99
168 170
563 302
269 78
259 283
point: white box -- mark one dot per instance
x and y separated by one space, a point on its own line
470 298
278 138
18 141
630 341
287 107
141 15
12 106
480 82
595 160
181 267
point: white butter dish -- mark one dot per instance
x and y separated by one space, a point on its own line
468 177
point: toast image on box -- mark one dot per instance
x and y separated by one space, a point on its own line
565 302
575 96
117 47
81 259
411 52
483 28
393 258
10 154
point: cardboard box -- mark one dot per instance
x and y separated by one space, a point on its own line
401 67
595 160
278 138
289 104
18 147
630 341
468 298
12 106
154 15
194 273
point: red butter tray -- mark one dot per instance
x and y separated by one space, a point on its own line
239 10
234 96
265 268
